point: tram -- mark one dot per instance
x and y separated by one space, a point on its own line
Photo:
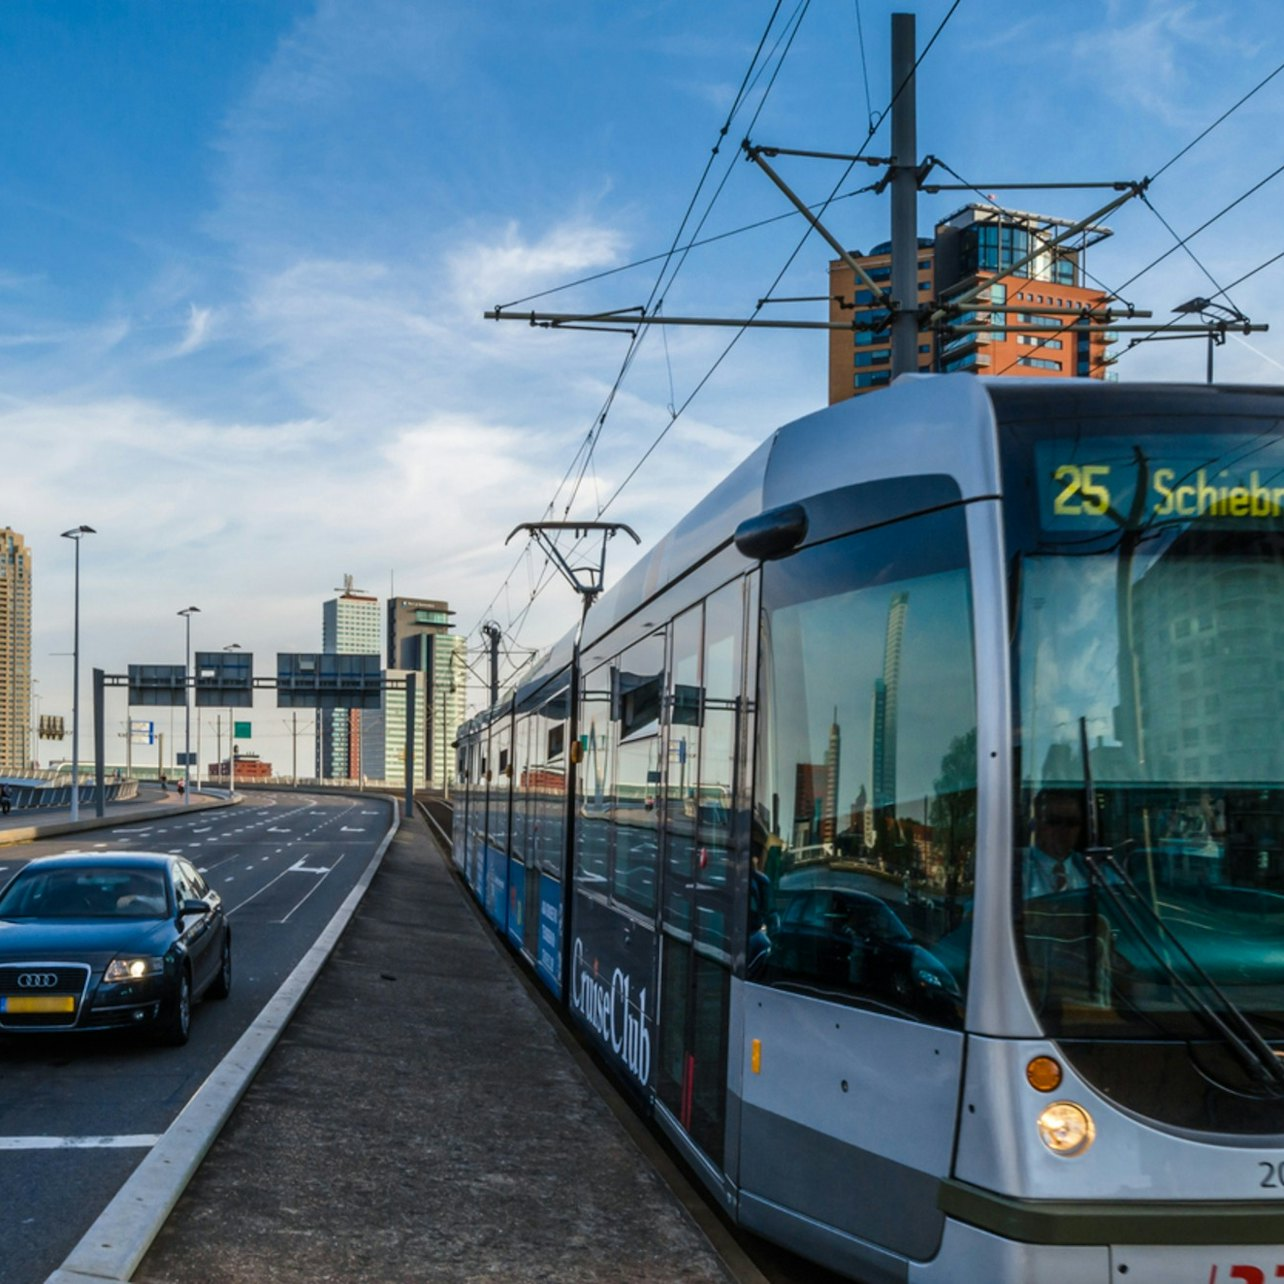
905 831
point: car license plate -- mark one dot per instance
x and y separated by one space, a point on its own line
1245 1264
35 1003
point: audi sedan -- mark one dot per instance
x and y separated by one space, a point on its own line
105 941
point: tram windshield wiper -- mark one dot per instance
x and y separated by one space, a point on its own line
1227 1019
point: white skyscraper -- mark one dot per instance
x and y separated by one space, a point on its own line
349 626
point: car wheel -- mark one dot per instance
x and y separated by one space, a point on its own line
221 985
176 1024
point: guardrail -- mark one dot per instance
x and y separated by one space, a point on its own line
37 797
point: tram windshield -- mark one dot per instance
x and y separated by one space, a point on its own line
1146 561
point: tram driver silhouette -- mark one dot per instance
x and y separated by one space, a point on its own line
1051 861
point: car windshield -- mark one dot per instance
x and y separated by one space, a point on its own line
85 892
1148 594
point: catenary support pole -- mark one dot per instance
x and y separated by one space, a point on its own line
904 330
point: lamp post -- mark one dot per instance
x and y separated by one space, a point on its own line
35 725
187 612
231 737
445 689
1218 316
76 534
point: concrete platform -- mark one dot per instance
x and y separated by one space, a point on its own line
422 1118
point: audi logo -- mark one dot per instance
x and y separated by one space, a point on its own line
37 980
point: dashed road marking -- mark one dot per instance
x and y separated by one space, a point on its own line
140 1141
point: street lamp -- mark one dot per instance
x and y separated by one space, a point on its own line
76 534
1218 316
35 725
231 737
187 612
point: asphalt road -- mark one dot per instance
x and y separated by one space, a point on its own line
77 1113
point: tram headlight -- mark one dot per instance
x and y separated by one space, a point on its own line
1066 1129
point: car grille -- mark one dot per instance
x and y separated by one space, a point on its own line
34 996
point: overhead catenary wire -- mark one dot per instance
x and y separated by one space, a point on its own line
584 454
875 124
1180 244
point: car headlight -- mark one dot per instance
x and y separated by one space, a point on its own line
133 969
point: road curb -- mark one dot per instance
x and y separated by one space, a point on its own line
112 1248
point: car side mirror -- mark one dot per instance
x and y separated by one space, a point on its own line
192 906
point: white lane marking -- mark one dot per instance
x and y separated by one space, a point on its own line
142 1141
300 868
277 830
345 829
324 875
369 813
252 895
204 829
132 830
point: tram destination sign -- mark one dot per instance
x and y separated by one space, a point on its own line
1091 483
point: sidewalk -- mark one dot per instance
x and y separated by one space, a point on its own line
422 1119
50 822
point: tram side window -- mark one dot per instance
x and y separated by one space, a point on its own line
519 838
715 805
497 825
637 687
549 784
865 822
595 782
683 766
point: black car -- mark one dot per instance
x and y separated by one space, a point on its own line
103 941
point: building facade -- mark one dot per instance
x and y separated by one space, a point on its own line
349 626
17 746
1026 323
419 640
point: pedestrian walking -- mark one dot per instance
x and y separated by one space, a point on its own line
6 801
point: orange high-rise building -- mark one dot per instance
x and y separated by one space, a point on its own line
1040 335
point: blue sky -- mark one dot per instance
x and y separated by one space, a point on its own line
245 248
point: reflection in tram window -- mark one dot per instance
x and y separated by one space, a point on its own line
637 684
594 782
865 832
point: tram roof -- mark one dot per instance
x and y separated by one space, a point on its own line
920 425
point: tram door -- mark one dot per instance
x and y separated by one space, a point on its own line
696 921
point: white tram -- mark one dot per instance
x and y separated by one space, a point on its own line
920 800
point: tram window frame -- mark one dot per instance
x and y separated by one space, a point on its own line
848 586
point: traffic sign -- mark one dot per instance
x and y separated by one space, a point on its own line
322 680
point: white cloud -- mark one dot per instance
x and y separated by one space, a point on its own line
198 329
485 273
